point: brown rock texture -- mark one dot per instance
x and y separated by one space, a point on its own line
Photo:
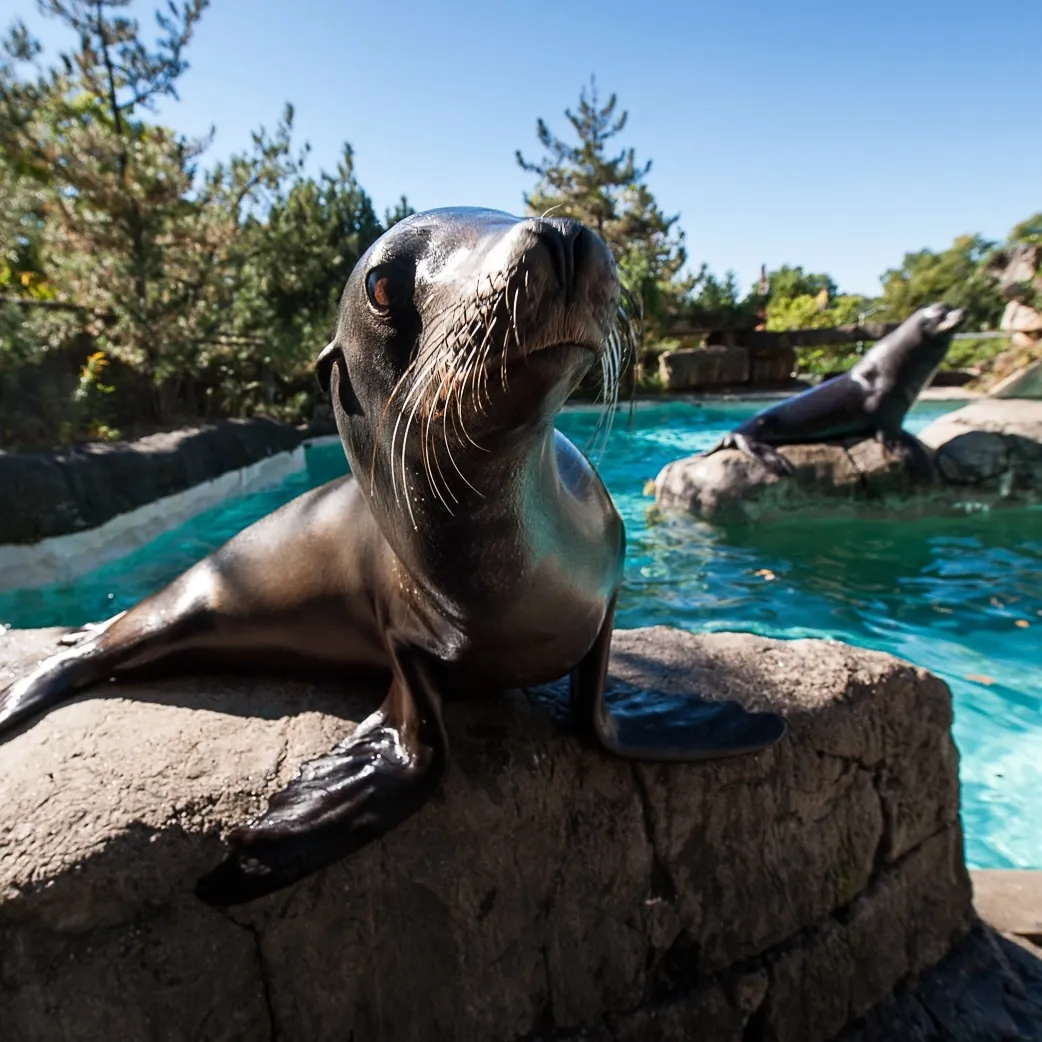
550 891
989 452
698 367
993 446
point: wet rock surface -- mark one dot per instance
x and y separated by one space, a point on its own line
989 452
549 891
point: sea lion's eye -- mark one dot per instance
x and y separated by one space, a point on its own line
378 289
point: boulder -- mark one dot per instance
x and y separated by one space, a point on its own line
992 446
989 989
550 891
728 487
71 489
697 367
1016 268
1019 318
988 452
767 368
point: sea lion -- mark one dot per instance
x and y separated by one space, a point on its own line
871 399
474 549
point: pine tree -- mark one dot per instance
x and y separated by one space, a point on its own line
607 192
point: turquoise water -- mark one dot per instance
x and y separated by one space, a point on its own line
959 596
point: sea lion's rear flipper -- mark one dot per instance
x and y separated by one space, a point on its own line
365 786
766 454
96 652
915 454
774 461
651 725
725 442
79 634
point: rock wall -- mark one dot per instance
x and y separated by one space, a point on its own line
720 365
551 891
71 489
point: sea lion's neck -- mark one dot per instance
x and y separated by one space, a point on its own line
483 538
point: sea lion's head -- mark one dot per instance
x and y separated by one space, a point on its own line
939 319
461 333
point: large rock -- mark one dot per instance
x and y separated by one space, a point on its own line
1019 318
989 989
777 367
725 365
71 489
551 889
696 367
987 452
993 447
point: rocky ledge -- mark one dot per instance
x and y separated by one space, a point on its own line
987 453
549 892
75 488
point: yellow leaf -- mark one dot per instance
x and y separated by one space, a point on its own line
1022 624
979 678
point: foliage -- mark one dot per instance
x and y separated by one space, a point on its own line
1028 232
972 353
607 191
790 282
217 286
957 276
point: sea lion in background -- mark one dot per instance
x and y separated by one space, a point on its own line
871 399
473 550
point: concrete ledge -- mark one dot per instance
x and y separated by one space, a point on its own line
1010 901
71 489
63 558
549 890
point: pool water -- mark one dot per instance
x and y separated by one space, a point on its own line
960 596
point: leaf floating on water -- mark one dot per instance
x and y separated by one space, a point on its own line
1022 624
980 678
942 609
996 603
767 574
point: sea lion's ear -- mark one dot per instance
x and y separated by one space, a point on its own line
324 364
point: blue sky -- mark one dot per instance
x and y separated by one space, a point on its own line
834 135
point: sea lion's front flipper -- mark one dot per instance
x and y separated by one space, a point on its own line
766 454
651 725
916 456
365 786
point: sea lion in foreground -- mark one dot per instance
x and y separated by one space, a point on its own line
871 399
473 550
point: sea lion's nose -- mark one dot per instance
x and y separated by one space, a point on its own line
561 236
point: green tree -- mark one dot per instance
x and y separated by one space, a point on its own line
606 190
956 275
789 282
806 312
293 262
130 231
1028 232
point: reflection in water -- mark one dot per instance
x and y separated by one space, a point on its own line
959 596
